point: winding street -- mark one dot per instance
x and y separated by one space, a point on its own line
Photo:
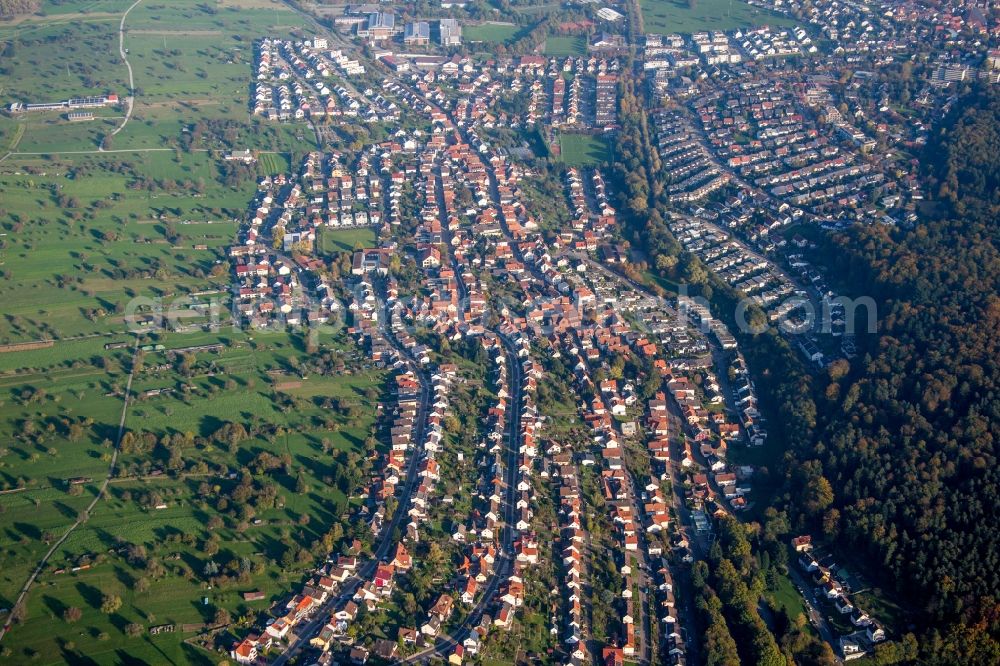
130 98
505 560
386 541
446 642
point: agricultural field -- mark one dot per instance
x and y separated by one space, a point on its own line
198 513
194 71
82 237
583 149
273 163
669 16
50 61
575 45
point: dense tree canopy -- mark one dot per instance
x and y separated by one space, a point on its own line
908 439
16 7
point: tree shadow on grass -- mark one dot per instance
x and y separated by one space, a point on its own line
355 441
28 530
90 594
163 533
75 657
21 452
124 577
196 657
66 510
272 547
206 611
193 562
126 659
208 425
55 605
118 622
107 431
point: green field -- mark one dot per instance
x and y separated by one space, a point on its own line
490 33
331 241
583 149
82 237
239 467
669 16
191 63
575 45
157 559
786 597
274 163
54 60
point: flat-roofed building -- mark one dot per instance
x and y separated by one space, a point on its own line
417 33
451 32
379 26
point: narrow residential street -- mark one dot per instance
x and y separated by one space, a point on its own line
386 539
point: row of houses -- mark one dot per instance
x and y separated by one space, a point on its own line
576 93
297 80
757 277
449 299
327 591
691 172
640 515
788 155
573 548
828 588
594 218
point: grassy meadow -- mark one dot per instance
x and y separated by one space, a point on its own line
84 236
333 241
191 63
572 45
583 149
174 512
670 16
238 464
491 33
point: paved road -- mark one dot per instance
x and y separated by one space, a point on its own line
130 98
85 515
504 563
643 576
816 617
386 541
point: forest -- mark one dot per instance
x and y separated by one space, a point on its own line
908 436
892 458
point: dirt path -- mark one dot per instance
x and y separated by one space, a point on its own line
178 33
85 515
16 139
